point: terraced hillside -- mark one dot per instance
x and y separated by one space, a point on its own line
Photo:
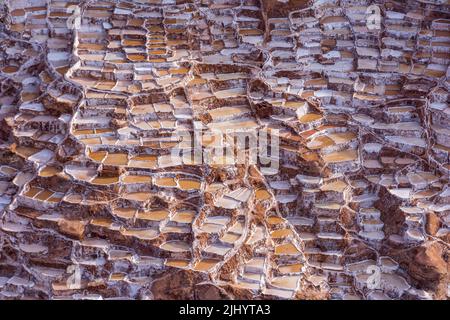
102 102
